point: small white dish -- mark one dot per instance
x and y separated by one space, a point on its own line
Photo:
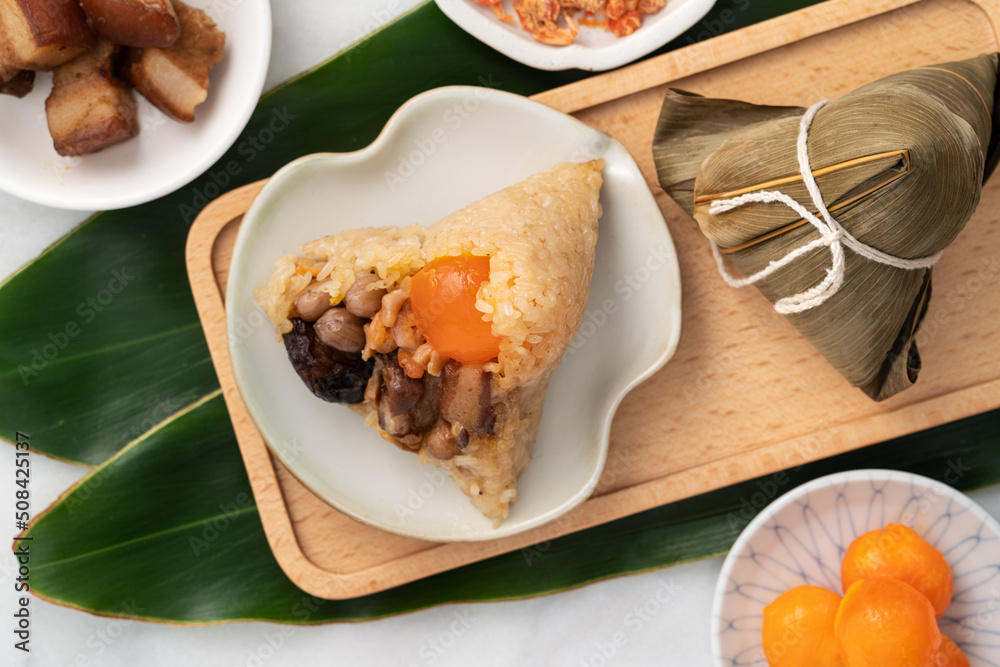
442 150
801 538
166 155
594 49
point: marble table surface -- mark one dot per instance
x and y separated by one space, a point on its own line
576 628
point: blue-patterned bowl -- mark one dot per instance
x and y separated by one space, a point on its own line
801 539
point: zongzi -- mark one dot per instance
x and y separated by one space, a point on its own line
838 212
444 337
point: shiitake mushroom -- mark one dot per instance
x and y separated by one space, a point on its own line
331 374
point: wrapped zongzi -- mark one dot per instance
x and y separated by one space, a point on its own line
838 212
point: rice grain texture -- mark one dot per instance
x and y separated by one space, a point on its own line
540 235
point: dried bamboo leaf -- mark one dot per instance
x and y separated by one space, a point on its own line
900 162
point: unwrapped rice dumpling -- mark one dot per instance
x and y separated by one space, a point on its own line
444 337
838 213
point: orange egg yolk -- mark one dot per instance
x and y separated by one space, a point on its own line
798 628
443 298
899 552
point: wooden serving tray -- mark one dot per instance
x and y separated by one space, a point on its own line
745 395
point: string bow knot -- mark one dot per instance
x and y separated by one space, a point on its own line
831 235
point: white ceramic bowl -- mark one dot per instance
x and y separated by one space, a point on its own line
594 49
166 154
801 538
442 150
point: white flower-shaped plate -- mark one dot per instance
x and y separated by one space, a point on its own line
801 538
594 49
166 155
442 150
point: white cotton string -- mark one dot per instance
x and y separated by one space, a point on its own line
831 234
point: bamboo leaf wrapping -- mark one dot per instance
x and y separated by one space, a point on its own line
900 163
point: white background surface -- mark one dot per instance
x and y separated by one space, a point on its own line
569 628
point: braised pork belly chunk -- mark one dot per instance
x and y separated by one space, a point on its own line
142 23
42 34
90 108
175 79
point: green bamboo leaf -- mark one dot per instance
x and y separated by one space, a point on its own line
101 340
174 513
